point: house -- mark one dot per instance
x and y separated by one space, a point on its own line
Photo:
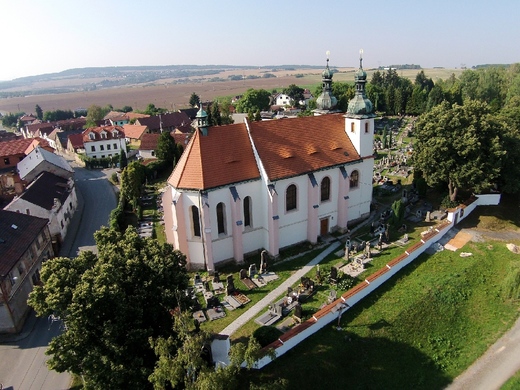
149 145
36 129
41 160
172 121
25 243
245 187
28 119
133 133
117 118
75 143
104 141
50 197
281 100
14 151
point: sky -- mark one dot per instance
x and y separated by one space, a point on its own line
39 37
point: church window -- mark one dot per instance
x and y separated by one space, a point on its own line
354 179
325 189
247 211
195 221
366 127
221 218
291 198
352 127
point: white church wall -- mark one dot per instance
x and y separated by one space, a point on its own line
329 208
293 224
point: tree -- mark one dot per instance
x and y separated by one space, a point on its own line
459 146
216 119
39 112
166 148
132 179
254 100
295 93
194 100
123 161
398 210
111 304
94 114
127 109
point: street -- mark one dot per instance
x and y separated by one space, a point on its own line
23 356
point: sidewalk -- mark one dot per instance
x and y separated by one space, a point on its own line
280 290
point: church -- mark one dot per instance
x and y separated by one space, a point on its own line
250 186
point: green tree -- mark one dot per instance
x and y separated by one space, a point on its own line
216 119
295 93
254 100
459 146
94 114
39 112
123 161
166 148
132 179
111 304
127 109
194 100
398 210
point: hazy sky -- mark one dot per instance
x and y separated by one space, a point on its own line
45 36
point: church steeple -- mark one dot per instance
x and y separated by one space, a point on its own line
326 101
202 120
360 106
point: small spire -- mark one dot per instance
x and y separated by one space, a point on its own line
361 58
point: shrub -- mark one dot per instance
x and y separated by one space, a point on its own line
266 335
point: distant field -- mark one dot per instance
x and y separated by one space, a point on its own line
165 94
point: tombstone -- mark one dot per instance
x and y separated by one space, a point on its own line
216 277
206 285
405 238
243 274
332 296
428 218
387 235
367 249
333 275
263 262
197 279
230 287
252 270
298 311
380 241
347 252
318 273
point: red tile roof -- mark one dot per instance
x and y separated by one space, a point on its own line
76 140
172 120
222 157
291 147
22 146
134 131
149 141
98 130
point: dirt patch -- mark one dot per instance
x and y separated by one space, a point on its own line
457 242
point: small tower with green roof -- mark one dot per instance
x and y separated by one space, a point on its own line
326 102
202 120
359 119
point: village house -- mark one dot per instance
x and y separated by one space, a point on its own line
249 186
148 146
25 242
172 121
104 141
41 160
14 151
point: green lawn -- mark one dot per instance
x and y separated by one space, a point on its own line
418 331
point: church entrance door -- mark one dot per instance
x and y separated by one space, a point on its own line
324 226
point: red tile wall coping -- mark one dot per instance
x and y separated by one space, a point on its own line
354 290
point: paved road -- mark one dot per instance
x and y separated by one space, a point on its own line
495 367
22 357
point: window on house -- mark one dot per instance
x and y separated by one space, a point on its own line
290 198
28 211
102 156
352 127
195 221
109 146
92 136
6 161
221 218
325 189
104 135
12 279
101 147
354 179
36 276
115 146
247 211
366 127
21 269
92 148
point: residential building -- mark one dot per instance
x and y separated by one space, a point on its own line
104 141
171 121
52 198
245 187
25 242
14 151
149 146
41 160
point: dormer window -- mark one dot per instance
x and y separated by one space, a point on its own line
91 136
115 133
104 135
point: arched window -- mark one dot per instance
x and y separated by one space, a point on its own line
354 179
221 218
247 212
352 127
290 198
195 221
325 189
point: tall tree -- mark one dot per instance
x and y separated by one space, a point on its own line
123 161
459 146
254 100
112 304
94 114
132 179
216 119
295 93
194 100
166 148
39 112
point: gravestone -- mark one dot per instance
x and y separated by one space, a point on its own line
206 285
347 250
216 277
230 287
243 274
333 275
252 270
298 311
367 249
263 262
332 296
